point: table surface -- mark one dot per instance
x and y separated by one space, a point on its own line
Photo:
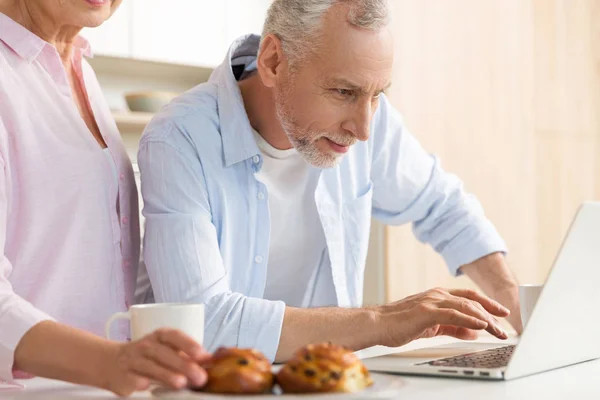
581 381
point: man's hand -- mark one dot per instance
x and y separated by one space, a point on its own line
509 297
492 274
459 313
166 356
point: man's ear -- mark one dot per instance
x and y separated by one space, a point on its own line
271 60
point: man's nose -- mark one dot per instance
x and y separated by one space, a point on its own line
359 123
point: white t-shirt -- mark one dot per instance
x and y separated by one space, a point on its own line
299 271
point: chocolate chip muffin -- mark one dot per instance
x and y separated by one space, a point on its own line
320 368
238 371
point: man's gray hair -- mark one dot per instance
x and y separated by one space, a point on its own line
296 22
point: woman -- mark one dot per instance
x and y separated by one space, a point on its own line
68 212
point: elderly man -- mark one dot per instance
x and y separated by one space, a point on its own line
259 187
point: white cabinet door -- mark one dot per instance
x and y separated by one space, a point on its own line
245 16
179 31
113 37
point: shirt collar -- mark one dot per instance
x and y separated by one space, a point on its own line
83 46
236 131
27 44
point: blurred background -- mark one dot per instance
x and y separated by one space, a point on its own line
505 92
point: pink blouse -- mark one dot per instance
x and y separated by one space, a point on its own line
68 229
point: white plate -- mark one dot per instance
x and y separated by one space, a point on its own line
384 387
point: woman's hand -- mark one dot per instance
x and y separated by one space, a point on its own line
166 356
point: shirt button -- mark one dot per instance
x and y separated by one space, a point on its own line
258 259
125 220
122 176
261 196
256 159
127 263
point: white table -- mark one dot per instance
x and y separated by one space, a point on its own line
576 382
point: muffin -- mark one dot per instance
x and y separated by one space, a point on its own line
321 368
238 371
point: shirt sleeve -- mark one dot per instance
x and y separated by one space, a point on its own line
410 186
182 256
17 315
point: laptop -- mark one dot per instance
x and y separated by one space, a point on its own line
563 329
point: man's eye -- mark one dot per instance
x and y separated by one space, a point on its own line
345 92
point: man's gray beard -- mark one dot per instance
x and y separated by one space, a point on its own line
307 148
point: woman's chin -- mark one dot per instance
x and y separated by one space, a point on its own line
92 21
93 18
97 11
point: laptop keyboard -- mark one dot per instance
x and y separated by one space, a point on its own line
492 358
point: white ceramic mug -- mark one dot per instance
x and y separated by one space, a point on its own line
146 318
528 297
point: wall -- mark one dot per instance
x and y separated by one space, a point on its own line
507 93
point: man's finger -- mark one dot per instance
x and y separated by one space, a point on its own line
457 332
491 306
476 310
140 383
450 316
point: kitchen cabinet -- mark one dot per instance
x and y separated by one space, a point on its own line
193 32
112 38
179 31
244 16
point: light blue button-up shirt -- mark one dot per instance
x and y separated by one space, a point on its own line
207 228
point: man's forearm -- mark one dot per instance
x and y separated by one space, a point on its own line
355 328
492 274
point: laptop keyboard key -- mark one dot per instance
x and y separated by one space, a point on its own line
492 358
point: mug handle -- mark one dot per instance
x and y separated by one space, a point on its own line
113 318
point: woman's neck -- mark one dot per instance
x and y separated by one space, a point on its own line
37 20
